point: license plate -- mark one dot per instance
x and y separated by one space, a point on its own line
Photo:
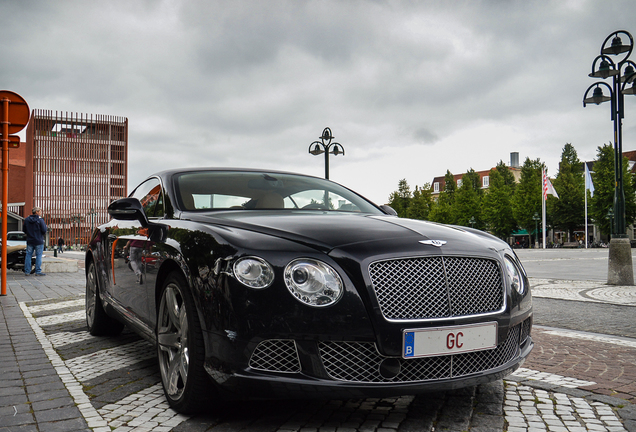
449 340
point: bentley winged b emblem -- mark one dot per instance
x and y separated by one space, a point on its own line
438 243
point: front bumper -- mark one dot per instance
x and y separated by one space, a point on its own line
285 368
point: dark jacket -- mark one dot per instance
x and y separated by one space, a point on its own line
35 229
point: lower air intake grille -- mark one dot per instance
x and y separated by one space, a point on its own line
361 362
276 355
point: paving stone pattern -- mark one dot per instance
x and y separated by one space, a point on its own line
613 371
55 376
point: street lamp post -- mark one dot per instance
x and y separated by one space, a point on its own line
536 218
326 146
620 269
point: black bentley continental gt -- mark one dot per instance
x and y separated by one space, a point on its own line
261 284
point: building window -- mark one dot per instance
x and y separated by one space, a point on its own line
485 181
459 183
436 187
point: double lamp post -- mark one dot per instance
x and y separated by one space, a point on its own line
326 146
623 73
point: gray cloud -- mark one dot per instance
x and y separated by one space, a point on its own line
248 83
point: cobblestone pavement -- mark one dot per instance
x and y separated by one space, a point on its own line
55 376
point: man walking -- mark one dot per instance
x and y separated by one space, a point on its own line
35 229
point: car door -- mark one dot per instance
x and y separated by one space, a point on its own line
129 244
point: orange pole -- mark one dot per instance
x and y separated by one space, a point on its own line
5 191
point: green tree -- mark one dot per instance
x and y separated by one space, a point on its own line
467 203
400 200
442 210
450 187
421 203
528 194
568 212
603 200
506 175
497 204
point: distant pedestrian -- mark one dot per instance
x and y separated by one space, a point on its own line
35 229
60 245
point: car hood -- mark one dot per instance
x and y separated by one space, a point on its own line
348 231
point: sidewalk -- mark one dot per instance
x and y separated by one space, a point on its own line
41 394
33 396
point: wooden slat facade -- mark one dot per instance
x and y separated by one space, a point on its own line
80 165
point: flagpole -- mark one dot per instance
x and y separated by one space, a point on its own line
585 218
543 198
589 185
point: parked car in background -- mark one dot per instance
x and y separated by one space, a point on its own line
273 284
16 238
16 250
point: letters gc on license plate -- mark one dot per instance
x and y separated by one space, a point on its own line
449 340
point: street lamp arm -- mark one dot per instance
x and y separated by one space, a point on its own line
629 79
607 67
617 47
337 149
598 97
318 148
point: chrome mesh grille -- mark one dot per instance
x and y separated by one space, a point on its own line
525 329
276 355
360 361
437 287
468 363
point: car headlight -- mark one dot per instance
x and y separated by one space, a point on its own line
253 272
515 277
313 282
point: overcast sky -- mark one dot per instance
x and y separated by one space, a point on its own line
409 88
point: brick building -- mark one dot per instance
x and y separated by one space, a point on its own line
438 183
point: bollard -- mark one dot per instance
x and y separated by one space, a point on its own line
55 252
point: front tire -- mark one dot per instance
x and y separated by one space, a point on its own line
180 348
98 323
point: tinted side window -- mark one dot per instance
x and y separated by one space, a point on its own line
150 195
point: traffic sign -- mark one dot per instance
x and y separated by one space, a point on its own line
18 111
14 116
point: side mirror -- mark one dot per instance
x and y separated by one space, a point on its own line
388 210
128 209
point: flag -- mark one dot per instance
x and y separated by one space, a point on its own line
548 189
588 181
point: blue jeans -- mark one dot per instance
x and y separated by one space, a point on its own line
38 249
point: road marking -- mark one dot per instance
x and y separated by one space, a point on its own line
74 387
55 306
98 363
550 378
61 318
66 338
593 337
146 409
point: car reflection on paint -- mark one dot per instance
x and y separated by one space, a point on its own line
272 284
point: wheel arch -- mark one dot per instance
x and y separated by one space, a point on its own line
178 264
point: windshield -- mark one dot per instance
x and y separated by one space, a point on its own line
236 190
16 236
